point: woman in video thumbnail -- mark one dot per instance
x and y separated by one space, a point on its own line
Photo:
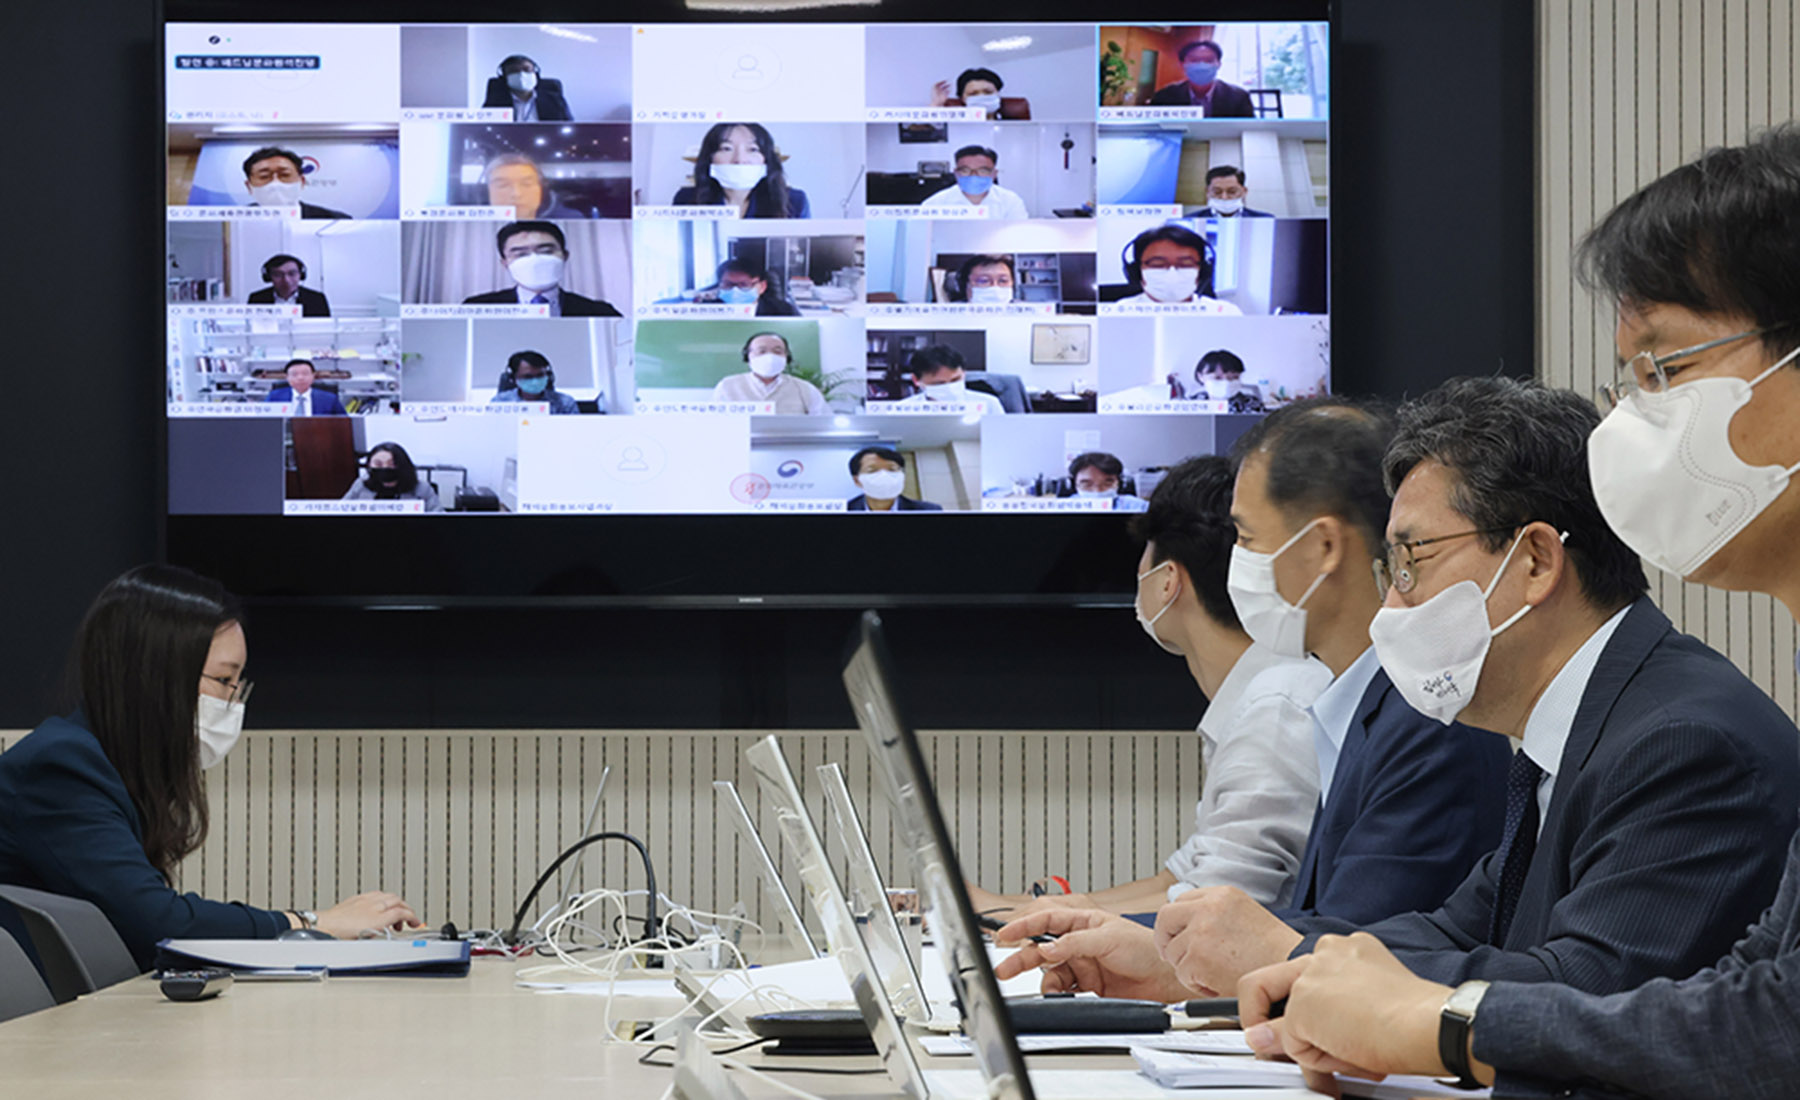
392 476
1218 376
740 165
104 804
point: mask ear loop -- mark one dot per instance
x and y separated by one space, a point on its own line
1773 367
1152 620
1318 580
1562 537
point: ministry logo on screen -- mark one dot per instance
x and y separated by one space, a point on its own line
792 468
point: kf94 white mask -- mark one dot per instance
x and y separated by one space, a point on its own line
1266 616
277 193
218 724
738 177
537 271
1171 284
768 365
883 484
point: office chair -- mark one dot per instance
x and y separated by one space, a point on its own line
79 948
21 989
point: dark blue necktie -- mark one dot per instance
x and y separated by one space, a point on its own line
539 300
1517 843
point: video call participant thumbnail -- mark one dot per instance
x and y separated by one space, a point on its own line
277 177
880 472
1200 60
308 401
742 282
1219 375
529 377
536 255
939 373
391 475
1172 265
1098 475
532 96
740 165
985 280
975 174
1227 193
767 380
514 179
981 88
284 274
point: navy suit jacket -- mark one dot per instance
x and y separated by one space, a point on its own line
551 106
1413 805
1668 823
324 402
1228 100
67 825
860 503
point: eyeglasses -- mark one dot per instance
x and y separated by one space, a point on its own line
1650 373
1396 569
985 173
238 690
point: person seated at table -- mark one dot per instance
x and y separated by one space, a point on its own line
880 472
1259 782
308 400
768 379
392 476
1172 265
938 372
981 88
536 255
105 802
742 282
1096 475
533 379
515 181
739 165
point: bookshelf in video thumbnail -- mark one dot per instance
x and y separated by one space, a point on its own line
725 268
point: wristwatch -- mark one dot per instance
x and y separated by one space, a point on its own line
1454 1023
308 918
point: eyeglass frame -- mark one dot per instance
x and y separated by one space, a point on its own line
1384 567
239 690
1614 393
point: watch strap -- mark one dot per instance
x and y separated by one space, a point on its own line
1454 1024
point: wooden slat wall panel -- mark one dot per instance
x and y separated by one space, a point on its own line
1627 90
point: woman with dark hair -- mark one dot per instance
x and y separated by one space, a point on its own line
392 476
739 165
105 803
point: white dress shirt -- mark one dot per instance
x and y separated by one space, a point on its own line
525 110
1001 202
1553 716
1259 782
303 403
1334 710
792 396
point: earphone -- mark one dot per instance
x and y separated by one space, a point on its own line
512 372
276 261
1134 269
501 68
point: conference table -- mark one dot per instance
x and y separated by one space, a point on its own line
445 1038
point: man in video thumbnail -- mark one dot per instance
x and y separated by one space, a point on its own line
529 377
1098 475
742 282
984 280
938 372
513 179
980 88
975 186
299 389
880 473
277 177
284 274
1227 194
533 98
1172 265
768 379
536 255
1200 60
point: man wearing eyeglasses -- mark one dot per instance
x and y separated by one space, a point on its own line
975 186
1655 785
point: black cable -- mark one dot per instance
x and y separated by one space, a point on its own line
825 1071
512 935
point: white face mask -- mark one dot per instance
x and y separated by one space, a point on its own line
768 364
1137 608
946 391
521 82
276 193
990 295
1226 207
1665 475
1269 619
1434 651
988 103
1171 284
882 484
537 271
1220 389
738 177
1097 494
218 725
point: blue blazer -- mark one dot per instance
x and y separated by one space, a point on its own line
324 402
67 825
1668 824
1414 803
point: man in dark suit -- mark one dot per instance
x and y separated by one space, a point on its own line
742 283
1407 807
536 256
1200 60
1227 195
277 177
532 97
308 401
880 472
284 273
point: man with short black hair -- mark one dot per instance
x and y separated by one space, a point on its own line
533 379
880 472
284 274
1200 60
975 186
1227 194
742 282
939 374
277 177
536 255
307 400
980 87
1097 475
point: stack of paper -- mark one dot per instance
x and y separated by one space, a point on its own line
1174 1070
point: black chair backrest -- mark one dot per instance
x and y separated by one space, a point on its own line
78 947
21 989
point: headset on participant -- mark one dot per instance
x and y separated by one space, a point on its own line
408 465
1026 464
991 171
1018 267
1219 365
757 365
518 366
521 72
792 269
1227 169
1009 364
751 169
322 268
527 171
1218 267
325 171
1216 70
936 66
564 269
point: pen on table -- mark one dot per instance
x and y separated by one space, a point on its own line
1213 1007
992 925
